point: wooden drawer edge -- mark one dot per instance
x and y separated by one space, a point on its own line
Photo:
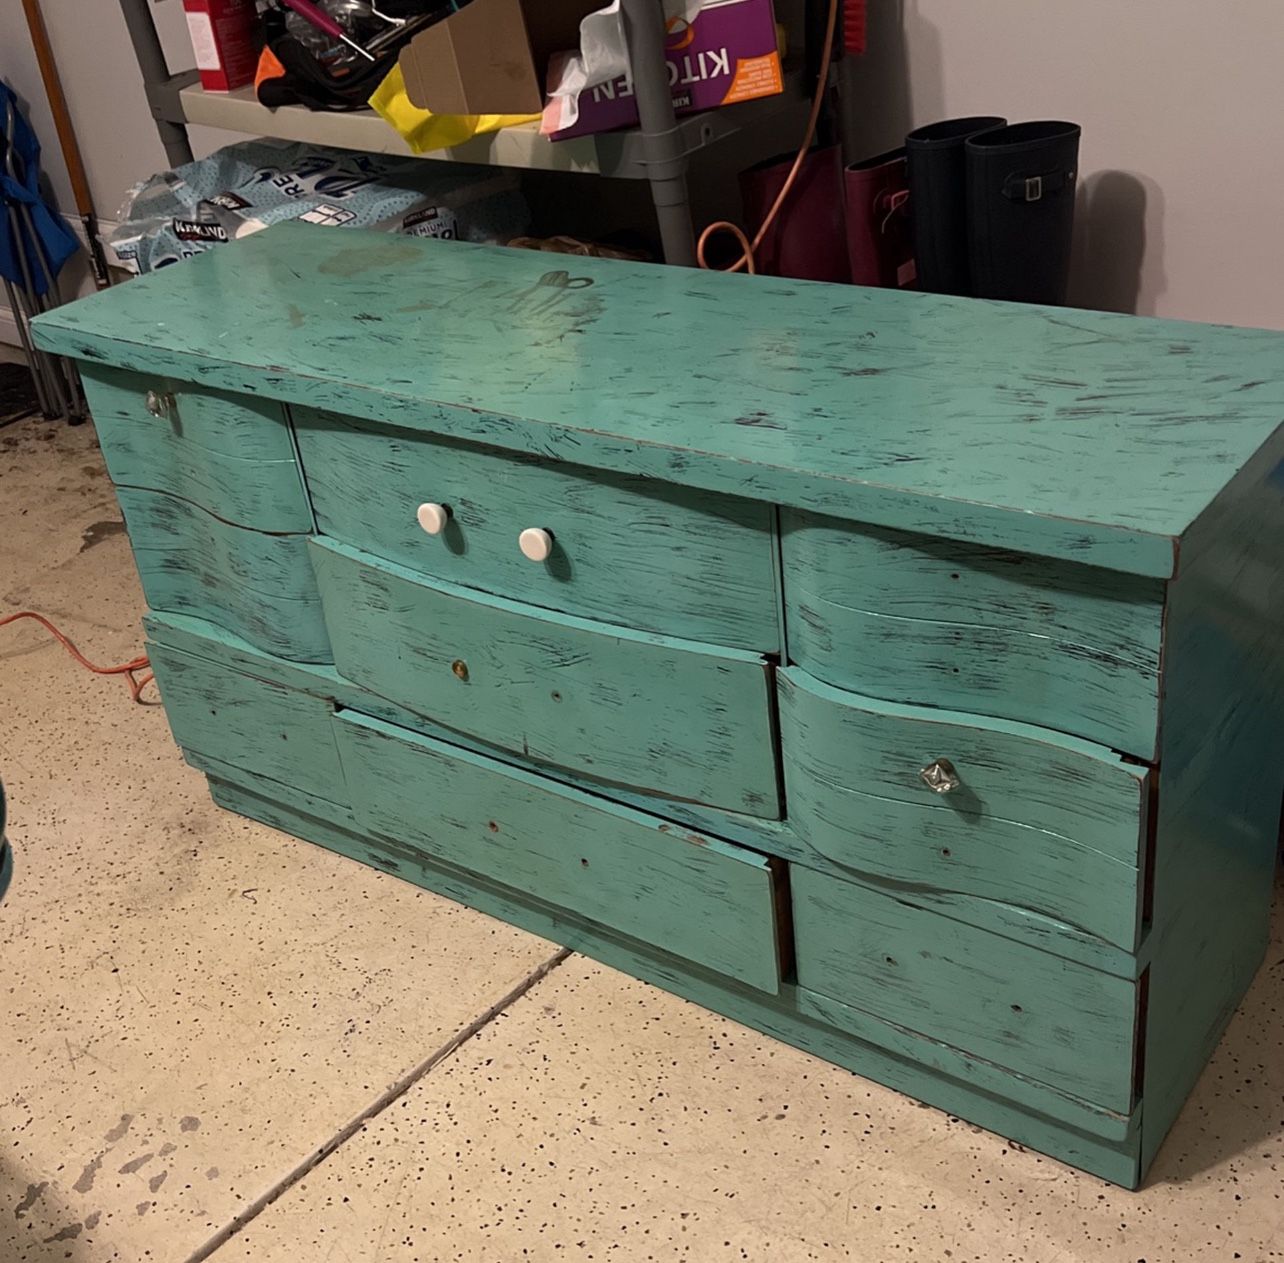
520 812
953 1062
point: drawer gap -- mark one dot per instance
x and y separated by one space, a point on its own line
1139 1047
1149 832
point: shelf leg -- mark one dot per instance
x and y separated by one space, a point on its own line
156 76
666 162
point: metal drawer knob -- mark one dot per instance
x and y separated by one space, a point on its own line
535 543
159 403
940 777
433 517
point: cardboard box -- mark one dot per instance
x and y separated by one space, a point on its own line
490 57
225 39
728 53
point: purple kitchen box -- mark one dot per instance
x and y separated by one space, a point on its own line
727 53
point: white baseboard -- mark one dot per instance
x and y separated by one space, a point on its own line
8 322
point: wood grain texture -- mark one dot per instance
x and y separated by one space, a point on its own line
1055 828
771 837
915 619
1222 777
203 639
921 1068
1072 648
1083 435
248 722
933 1055
231 455
692 895
646 555
673 717
259 586
1037 1015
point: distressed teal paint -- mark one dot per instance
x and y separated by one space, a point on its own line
203 639
980 510
231 456
1035 823
1046 1019
901 1060
259 586
913 619
1084 435
1217 840
617 542
976 1071
645 711
692 895
779 838
247 722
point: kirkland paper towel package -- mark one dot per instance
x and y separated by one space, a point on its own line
245 187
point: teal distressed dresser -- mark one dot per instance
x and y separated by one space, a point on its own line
899 675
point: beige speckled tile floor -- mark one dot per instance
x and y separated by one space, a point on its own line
187 995
190 1004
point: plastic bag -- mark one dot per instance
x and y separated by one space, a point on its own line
424 131
248 186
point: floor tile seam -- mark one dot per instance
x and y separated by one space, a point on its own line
371 1111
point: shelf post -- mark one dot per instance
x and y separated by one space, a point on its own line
665 158
156 78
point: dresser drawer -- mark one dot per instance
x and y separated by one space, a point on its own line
916 619
674 718
694 896
259 586
230 454
248 722
632 551
1048 1019
1038 821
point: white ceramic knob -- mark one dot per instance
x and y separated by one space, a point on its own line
535 543
433 517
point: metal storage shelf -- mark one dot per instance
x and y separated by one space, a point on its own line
618 155
657 151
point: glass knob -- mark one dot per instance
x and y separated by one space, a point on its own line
159 403
940 776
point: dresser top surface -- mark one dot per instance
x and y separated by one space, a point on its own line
1080 434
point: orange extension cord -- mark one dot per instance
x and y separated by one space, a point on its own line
749 248
136 686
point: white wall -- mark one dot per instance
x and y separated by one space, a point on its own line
1181 102
118 140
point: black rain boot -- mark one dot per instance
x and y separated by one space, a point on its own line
1021 189
938 201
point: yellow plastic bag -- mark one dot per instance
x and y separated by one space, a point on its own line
424 131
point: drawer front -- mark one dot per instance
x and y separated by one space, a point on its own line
1037 821
668 717
248 722
631 551
694 896
259 586
915 619
230 454
1049 1019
